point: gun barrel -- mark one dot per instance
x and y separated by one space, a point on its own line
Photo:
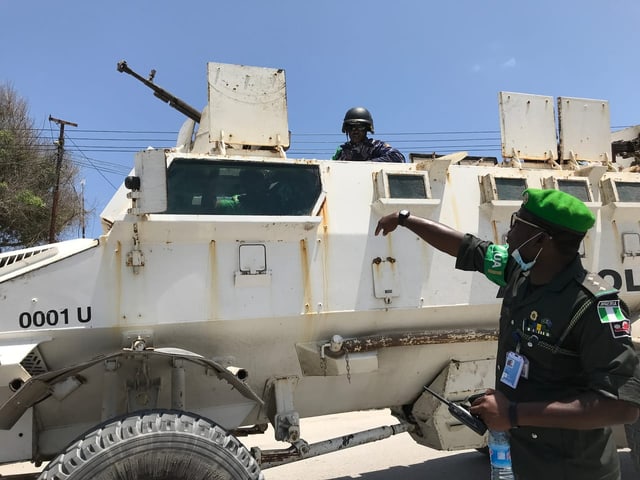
162 94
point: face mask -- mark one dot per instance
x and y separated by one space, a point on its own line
518 258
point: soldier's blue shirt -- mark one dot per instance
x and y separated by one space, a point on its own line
369 150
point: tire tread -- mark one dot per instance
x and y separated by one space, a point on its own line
137 426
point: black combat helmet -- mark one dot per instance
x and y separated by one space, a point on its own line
355 116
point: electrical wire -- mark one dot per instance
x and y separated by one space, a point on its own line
310 145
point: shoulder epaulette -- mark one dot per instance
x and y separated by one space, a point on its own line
597 285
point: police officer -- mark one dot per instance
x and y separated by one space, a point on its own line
566 369
357 122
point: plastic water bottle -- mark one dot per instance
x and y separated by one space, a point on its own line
500 453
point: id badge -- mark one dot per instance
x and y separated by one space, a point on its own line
512 369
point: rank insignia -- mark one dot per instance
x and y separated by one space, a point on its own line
538 327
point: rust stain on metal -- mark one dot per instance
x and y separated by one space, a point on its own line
494 227
304 161
345 441
390 243
278 457
429 337
118 263
306 277
324 239
324 212
213 287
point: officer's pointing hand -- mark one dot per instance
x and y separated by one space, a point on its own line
387 224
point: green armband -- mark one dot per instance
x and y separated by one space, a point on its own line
495 263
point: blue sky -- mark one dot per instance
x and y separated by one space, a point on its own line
421 67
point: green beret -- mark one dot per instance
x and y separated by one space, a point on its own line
559 209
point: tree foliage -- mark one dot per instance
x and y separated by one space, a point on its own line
28 177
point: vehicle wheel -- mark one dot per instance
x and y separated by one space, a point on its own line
159 445
633 440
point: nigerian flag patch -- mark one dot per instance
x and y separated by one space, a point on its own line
609 311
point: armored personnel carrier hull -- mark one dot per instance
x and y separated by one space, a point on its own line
234 287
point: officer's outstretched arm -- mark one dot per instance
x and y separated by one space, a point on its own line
440 236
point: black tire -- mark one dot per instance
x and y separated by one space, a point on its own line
633 440
158 445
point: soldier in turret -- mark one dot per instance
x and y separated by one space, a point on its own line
566 369
357 122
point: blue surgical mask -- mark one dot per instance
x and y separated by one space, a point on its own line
518 258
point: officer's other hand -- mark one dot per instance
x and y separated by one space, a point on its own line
493 409
387 224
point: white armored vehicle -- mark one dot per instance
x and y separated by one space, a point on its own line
234 287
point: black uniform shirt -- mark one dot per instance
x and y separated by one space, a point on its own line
369 150
592 356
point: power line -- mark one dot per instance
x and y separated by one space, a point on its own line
308 144
92 165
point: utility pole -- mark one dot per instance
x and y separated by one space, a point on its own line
56 186
82 182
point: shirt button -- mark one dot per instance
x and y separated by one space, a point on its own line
512 322
534 435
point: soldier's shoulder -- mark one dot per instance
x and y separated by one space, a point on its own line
596 286
379 143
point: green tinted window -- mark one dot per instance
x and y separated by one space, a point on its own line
241 188
577 188
510 188
406 186
628 191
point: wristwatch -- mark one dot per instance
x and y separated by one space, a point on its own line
402 217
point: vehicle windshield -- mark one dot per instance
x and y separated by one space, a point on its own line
206 187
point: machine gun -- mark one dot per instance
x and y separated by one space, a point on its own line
461 413
627 148
162 94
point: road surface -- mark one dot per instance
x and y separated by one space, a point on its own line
396 457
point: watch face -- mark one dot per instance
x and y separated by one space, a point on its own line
402 216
